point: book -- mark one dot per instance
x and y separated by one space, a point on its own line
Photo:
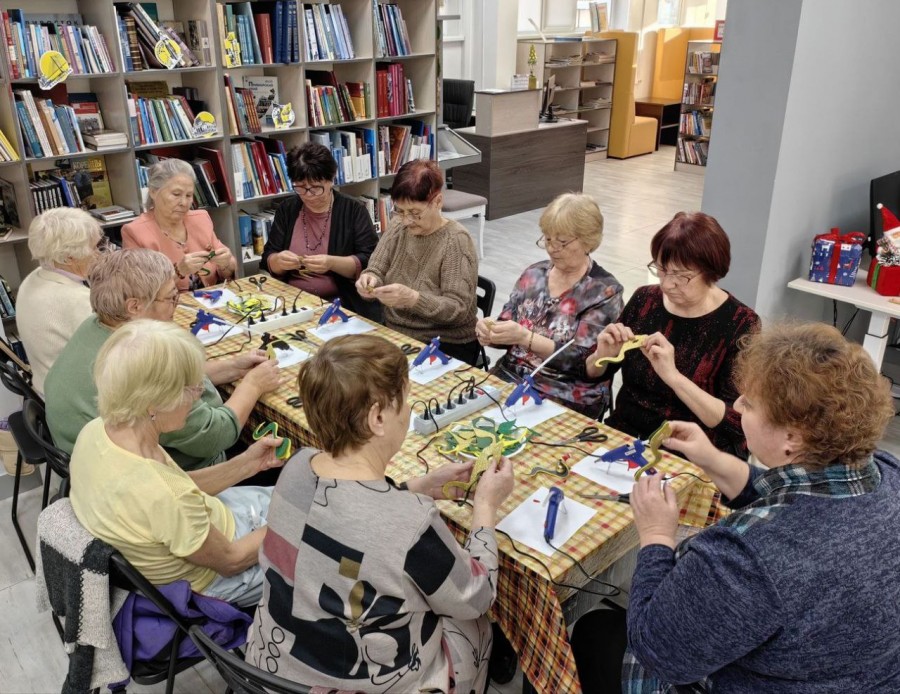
264 89
90 179
9 211
113 213
87 112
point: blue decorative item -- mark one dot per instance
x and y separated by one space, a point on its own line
204 320
211 295
835 257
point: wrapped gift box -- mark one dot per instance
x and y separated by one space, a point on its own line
835 258
884 279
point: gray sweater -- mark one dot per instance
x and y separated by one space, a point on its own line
798 591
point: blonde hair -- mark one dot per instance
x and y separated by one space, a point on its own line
808 377
342 381
145 367
134 273
161 173
62 234
576 215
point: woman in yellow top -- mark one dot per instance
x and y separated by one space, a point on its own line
128 492
170 226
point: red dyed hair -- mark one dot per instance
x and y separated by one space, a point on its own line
695 241
418 180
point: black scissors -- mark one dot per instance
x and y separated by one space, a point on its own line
295 402
301 336
409 349
589 434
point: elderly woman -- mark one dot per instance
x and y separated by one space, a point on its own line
127 491
320 231
796 591
135 284
54 299
684 369
366 588
184 235
425 270
568 297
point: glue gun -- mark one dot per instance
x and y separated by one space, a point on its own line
553 502
432 350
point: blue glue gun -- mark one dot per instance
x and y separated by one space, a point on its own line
333 311
553 502
524 390
432 350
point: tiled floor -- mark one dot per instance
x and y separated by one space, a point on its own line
637 196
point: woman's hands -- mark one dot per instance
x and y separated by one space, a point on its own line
191 263
432 483
688 439
503 332
366 284
609 343
661 355
494 486
265 377
224 261
260 456
284 262
396 295
320 264
655 511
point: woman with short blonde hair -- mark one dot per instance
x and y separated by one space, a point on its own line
567 297
54 299
170 226
372 578
127 491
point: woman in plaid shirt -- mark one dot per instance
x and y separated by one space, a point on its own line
797 590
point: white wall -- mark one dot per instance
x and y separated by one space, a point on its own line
806 115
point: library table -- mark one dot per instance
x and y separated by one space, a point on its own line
863 297
529 605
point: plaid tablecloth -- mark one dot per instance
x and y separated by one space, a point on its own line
529 599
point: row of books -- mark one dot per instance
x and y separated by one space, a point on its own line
8 310
260 168
327 34
354 151
158 116
259 38
599 12
211 189
29 36
384 208
329 102
395 92
703 63
80 183
401 142
7 151
243 116
47 129
140 31
695 124
255 226
693 151
698 93
391 37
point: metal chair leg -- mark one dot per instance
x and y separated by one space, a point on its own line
15 512
46 496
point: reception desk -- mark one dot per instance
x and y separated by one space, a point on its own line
525 170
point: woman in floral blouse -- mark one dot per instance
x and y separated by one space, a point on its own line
566 297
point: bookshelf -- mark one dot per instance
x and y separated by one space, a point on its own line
585 71
357 43
698 99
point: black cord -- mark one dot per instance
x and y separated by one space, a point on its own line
566 445
422 450
834 313
849 322
221 337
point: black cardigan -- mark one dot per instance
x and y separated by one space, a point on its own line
351 233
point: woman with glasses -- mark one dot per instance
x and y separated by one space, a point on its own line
684 369
54 299
170 226
567 297
425 270
320 232
126 286
127 491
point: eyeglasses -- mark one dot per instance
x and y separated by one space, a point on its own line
195 391
678 279
413 215
171 299
311 191
544 242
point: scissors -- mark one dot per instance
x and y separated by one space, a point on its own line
257 282
295 402
623 498
589 434
409 349
301 336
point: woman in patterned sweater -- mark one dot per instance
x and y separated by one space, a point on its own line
366 589
568 297
683 371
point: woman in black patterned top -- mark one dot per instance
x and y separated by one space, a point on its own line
568 297
684 369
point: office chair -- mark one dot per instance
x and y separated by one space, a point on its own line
458 99
484 299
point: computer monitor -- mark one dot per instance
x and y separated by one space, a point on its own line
884 190
547 101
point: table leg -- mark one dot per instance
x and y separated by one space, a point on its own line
876 338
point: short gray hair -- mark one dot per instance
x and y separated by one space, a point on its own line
574 214
144 368
63 234
164 171
133 273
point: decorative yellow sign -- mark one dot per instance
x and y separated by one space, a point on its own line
204 125
167 52
232 50
283 115
54 68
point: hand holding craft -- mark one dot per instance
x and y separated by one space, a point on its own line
622 347
507 332
320 264
661 355
396 295
655 511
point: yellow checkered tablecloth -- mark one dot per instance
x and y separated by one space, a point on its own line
529 604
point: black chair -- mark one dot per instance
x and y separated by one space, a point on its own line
30 450
164 668
35 420
241 677
484 300
458 99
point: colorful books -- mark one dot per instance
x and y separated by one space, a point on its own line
327 33
391 36
264 89
80 183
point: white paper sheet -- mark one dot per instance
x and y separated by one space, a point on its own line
290 356
354 326
526 414
616 476
525 524
210 333
430 370
227 295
